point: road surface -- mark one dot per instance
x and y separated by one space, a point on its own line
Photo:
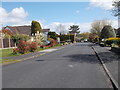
75 66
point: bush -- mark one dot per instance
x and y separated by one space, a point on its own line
33 46
66 37
23 46
18 37
111 41
52 42
15 51
52 35
107 32
35 26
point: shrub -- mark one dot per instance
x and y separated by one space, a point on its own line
33 46
18 37
35 26
52 35
107 32
111 41
66 37
23 46
16 50
52 41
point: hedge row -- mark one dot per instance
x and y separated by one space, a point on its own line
111 41
67 37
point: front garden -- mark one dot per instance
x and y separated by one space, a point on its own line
25 49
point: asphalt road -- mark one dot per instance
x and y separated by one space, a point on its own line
75 66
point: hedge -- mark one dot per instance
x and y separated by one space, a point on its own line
52 35
67 37
110 41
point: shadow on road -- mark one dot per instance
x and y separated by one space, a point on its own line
91 58
83 58
109 56
39 60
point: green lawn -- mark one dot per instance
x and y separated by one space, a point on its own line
8 53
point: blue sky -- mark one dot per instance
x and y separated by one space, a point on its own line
54 13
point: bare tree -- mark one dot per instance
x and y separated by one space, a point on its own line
97 26
116 9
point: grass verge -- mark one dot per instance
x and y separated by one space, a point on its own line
4 61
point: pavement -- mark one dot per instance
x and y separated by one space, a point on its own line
74 66
109 61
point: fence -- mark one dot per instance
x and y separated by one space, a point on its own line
6 43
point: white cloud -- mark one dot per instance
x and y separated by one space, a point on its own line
16 16
84 27
104 4
115 24
77 11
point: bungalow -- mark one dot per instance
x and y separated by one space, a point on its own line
25 30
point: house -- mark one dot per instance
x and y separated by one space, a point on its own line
25 30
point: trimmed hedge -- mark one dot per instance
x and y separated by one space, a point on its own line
64 38
52 35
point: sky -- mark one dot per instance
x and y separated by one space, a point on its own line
52 14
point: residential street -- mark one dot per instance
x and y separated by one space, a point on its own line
75 66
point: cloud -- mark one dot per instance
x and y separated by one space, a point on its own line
104 4
115 24
77 11
84 27
16 16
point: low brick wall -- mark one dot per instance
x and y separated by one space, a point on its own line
115 49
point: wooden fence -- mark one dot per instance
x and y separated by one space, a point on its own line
6 43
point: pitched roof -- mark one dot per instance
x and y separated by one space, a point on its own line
23 29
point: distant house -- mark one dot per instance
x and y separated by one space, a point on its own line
25 30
